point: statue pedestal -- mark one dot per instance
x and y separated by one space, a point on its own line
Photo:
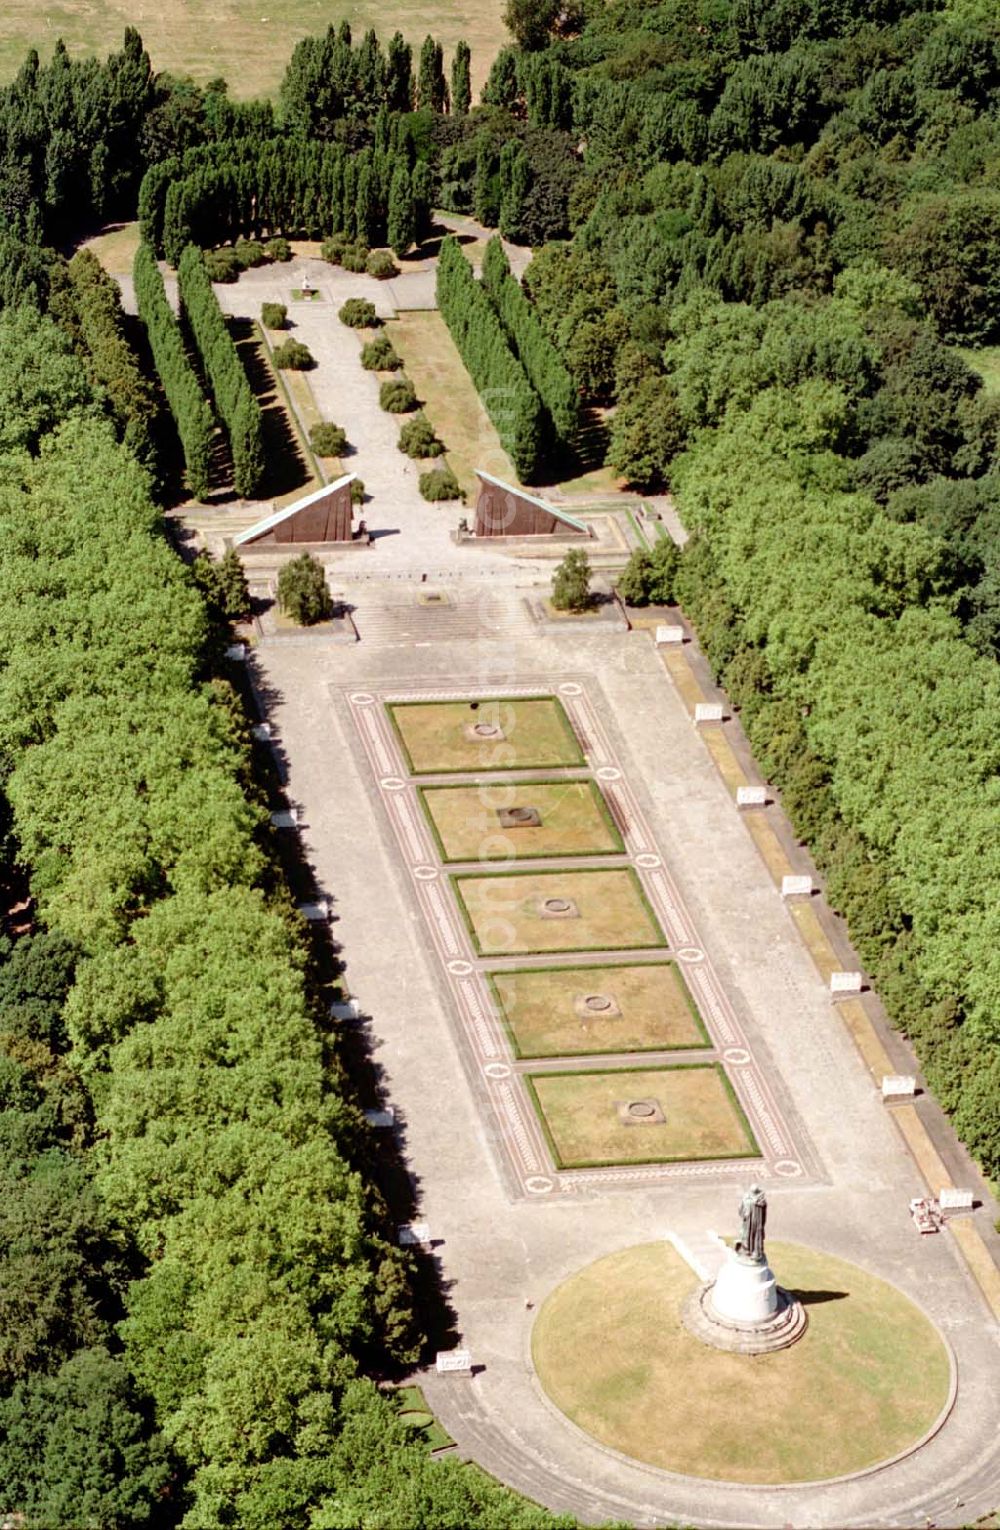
744 1309
745 1291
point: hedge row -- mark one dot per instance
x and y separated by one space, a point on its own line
111 361
499 378
188 405
233 395
535 351
245 188
225 1124
870 711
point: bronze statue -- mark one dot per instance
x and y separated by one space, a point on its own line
753 1216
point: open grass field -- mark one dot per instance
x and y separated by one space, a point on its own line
449 400
468 824
869 1377
581 1114
546 1015
248 42
533 733
986 362
507 916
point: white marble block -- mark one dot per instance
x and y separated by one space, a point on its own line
796 887
707 711
285 820
751 796
666 635
316 913
414 1234
898 1086
381 1118
454 1360
236 651
951 1198
846 982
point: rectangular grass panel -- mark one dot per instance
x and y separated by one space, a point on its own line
581 1113
478 822
506 914
526 733
548 1011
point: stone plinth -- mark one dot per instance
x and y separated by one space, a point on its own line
744 1309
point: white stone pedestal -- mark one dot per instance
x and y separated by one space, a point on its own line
745 1291
745 1310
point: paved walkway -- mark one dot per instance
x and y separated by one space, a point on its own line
499 1253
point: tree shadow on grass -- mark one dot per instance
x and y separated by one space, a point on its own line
816 1298
286 468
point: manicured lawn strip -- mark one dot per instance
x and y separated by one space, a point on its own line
579 932
551 990
869 1377
569 755
450 402
483 825
610 1142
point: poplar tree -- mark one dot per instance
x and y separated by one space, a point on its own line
461 79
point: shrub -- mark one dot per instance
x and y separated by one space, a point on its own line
278 249
397 395
358 491
440 483
648 576
273 315
571 582
381 265
332 249
303 593
293 356
222 265
249 252
355 258
327 439
358 313
378 355
417 438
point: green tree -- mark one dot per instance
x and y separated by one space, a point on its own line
531 22
649 576
78 1448
571 582
461 79
401 222
647 433
303 593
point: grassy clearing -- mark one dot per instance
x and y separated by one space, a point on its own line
543 1010
986 362
248 43
580 1113
438 736
868 1378
467 823
450 401
116 248
505 913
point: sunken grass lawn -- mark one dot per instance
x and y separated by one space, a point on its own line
504 913
246 42
868 1378
450 402
655 1010
579 1112
466 820
437 736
